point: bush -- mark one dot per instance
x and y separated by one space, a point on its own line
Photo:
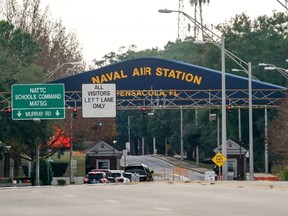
61 182
46 173
284 174
59 168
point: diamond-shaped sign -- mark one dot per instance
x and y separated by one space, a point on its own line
219 159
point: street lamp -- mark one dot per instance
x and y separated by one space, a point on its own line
210 34
282 71
51 73
223 86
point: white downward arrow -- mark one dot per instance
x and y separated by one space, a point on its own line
57 113
19 114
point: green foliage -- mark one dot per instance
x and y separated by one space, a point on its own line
264 39
59 168
2 150
18 52
261 40
46 174
61 182
18 43
284 174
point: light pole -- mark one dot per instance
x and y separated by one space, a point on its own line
181 133
224 129
223 85
283 72
266 142
251 151
129 131
71 177
51 73
244 65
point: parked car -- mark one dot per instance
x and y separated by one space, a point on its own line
119 176
144 172
108 173
95 177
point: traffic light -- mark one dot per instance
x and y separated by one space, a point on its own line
143 109
9 112
229 110
75 114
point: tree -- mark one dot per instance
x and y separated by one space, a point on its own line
46 174
18 51
261 40
58 46
277 136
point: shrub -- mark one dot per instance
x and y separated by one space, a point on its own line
46 173
61 182
284 174
59 168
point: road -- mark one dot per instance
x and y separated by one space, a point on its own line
152 198
161 168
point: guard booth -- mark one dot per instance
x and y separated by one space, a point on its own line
103 156
236 160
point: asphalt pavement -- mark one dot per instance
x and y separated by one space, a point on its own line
163 198
171 160
182 163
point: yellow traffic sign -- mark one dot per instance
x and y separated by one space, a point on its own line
219 159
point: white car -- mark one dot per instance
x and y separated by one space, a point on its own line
119 176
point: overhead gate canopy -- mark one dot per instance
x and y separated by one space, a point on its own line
156 82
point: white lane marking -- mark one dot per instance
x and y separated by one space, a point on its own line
163 209
69 195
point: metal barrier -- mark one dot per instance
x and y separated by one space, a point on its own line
180 172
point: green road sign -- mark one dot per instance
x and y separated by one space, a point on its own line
38 101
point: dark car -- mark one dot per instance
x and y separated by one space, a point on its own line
108 173
145 174
95 177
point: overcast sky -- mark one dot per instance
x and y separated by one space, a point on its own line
103 26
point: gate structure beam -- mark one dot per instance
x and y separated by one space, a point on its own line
187 99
